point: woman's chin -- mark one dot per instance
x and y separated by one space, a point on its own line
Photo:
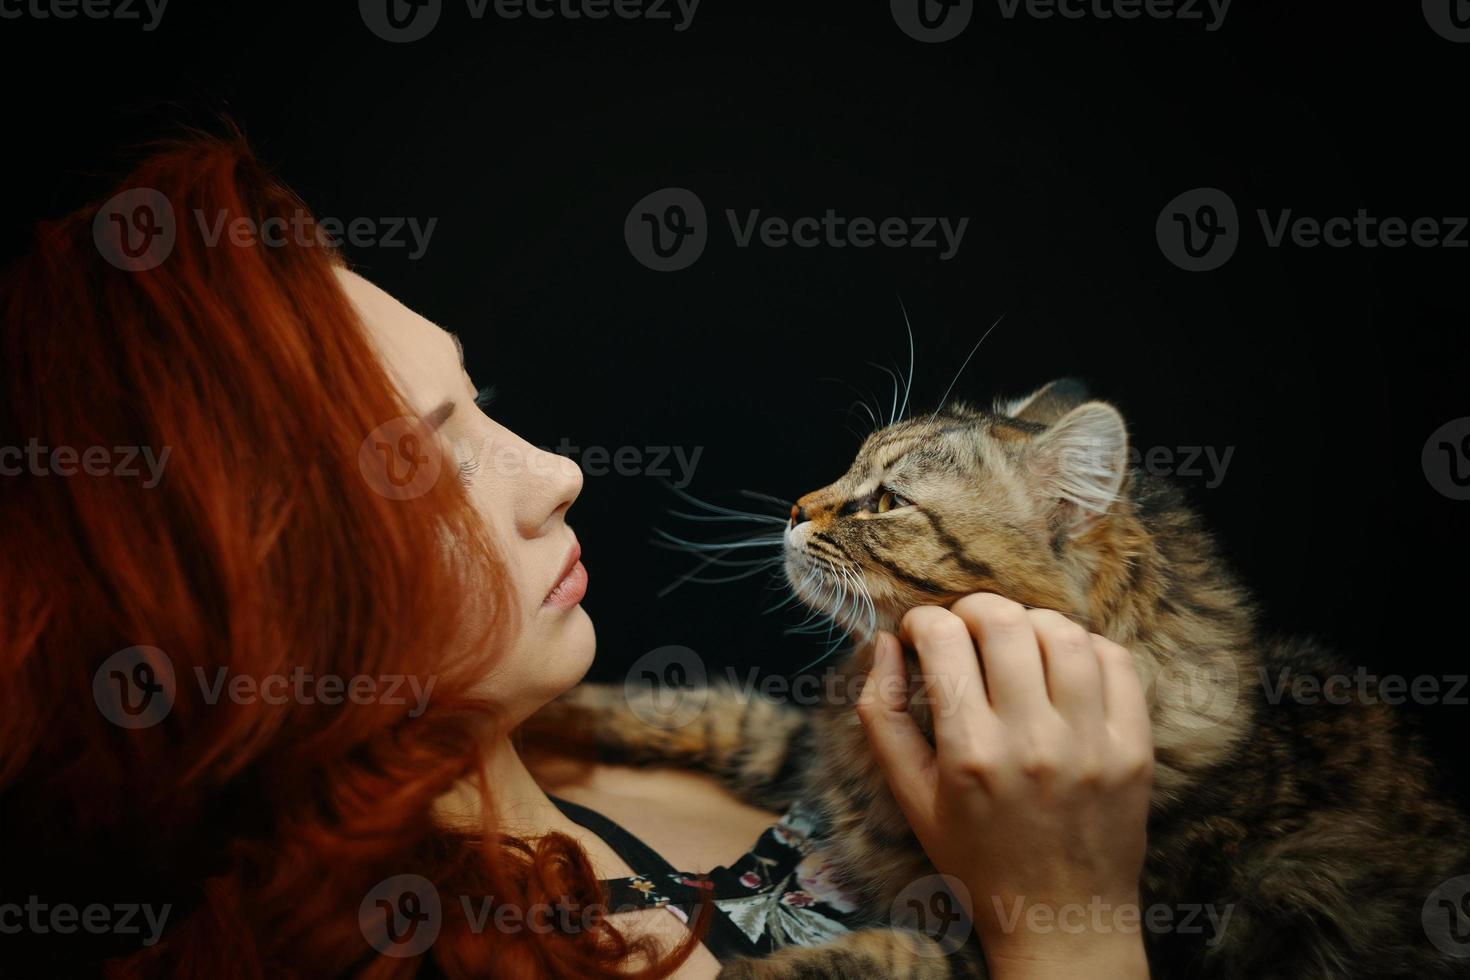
572 647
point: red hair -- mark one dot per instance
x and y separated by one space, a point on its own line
261 549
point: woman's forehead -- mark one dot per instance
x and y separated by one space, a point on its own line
422 357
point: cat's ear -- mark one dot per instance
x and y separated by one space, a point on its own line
1080 462
1046 404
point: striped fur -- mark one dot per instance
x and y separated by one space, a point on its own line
1315 825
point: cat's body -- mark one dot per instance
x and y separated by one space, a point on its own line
1287 841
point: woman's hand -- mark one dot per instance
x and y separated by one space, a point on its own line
1035 794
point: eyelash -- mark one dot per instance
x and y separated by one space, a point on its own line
468 467
467 470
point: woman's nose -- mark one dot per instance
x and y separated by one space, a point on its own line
560 486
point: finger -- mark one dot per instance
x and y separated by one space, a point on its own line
952 682
1073 669
904 755
1014 678
1124 705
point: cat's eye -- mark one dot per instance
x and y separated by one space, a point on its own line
888 500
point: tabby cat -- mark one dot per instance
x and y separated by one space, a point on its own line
1313 824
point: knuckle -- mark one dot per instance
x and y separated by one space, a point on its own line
1108 650
1059 629
1039 763
1130 766
1012 620
973 766
994 611
932 625
917 616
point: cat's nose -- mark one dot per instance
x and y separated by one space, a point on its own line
798 514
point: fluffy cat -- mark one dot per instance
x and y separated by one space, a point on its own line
1312 825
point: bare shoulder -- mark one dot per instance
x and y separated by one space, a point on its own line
688 817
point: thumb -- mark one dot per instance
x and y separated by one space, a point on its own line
904 755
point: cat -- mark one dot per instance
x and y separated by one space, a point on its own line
1308 829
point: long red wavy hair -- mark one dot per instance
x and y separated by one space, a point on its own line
262 549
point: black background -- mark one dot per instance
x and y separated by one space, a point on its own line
1324 369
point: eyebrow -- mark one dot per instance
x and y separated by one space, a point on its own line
440 415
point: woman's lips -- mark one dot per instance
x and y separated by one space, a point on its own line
573 584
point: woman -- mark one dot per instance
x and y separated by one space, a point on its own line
251 693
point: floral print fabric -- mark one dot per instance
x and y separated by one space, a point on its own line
782 892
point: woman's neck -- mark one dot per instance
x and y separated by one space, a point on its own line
522 808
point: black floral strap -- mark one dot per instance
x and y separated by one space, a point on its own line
659 885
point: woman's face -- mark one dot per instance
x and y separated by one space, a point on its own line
522 492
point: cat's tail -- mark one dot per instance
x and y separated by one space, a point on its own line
755 746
